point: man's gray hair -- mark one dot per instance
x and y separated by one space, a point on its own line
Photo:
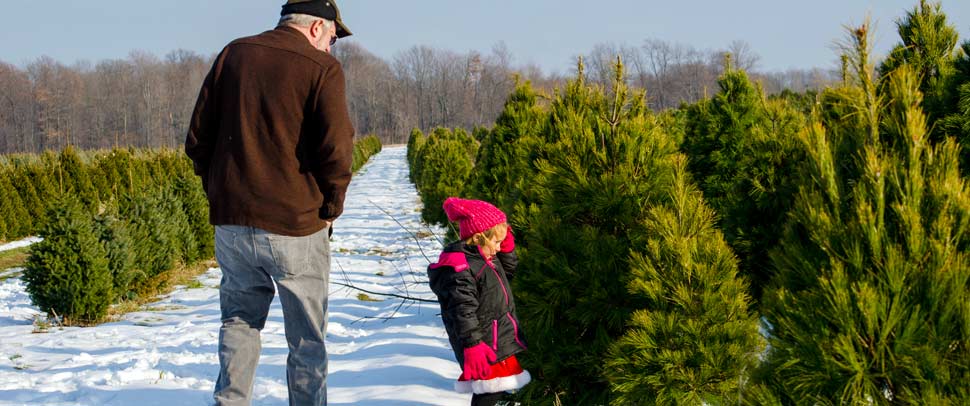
303 20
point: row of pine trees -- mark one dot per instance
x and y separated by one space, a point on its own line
800 249
114 224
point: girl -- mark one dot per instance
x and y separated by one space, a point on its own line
471 280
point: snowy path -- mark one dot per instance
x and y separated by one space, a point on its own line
166 354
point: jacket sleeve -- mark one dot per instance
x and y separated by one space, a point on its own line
458 295
331 148
204 127
510 263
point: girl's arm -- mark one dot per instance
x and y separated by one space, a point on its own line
506 255
463 307
510 263
452 282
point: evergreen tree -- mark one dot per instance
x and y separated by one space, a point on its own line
24 183
67 272
505 161
43 177
3 219
76 180
364 148
17 219
416 142
692 340
602 223
113 234
957 123
113 171
140 172
445 169
196 205
155 237
873 269
467 142
743 152
928 46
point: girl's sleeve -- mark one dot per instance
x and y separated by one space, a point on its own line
510 263
458 295
464 308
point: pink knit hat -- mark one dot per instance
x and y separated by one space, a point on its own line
473 216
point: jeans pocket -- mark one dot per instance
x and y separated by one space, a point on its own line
290 254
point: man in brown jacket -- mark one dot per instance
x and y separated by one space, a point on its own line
272 140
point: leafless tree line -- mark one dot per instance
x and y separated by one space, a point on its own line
675 73
141 101
146 101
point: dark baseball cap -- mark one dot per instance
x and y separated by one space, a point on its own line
318 8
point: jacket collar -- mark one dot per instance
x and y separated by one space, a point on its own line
292 37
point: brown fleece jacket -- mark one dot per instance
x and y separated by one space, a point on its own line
271 136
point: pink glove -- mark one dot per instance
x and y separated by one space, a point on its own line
508 244
477 361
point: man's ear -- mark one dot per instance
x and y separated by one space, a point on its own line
316 29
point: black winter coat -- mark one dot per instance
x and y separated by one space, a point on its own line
476 301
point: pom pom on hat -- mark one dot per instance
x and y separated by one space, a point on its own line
472 216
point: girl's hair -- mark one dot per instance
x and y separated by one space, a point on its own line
482 237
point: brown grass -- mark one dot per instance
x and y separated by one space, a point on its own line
162 284
13 258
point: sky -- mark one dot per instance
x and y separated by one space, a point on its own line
549 33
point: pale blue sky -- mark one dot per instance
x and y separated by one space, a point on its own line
785 33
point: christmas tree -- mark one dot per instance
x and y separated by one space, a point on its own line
870 301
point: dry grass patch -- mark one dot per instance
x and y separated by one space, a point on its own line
161 285
13 258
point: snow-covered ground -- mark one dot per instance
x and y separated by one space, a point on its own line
18 244
387 352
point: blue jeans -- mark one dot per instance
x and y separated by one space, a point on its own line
251 259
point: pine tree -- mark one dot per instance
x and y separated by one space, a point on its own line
416 142
67 272
505 161
364 148
3 219
43 175
467 142
155 237
113 171
21 178
957 123
76 179
17 220
603 221
113 234
185 246
445 169
196 205
693 339
928 46
743 152
873 269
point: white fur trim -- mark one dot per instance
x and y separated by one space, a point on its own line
505 383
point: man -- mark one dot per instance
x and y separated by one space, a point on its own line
272 140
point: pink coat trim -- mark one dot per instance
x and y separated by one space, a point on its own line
456 260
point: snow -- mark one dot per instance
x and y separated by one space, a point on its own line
384 352
18 244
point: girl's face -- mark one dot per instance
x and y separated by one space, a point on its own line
491 245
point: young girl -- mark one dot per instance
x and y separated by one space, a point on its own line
471 280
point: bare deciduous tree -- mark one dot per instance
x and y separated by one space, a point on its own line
146 101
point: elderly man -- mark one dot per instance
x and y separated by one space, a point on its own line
272 140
